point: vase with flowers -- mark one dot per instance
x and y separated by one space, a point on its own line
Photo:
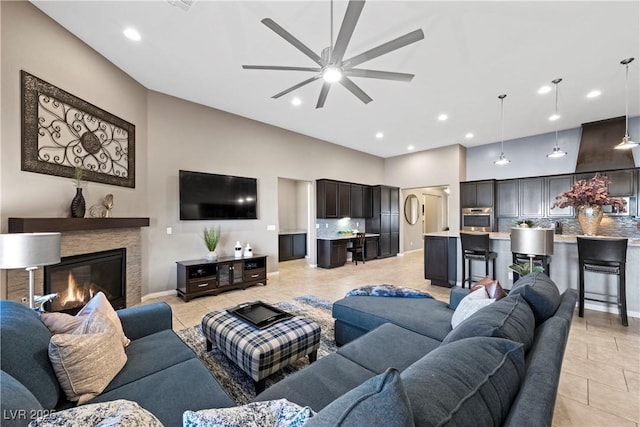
588 196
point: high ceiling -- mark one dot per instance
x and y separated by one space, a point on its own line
472 52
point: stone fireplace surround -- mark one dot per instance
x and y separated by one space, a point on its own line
80 236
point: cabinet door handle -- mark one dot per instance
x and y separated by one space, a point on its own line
202 285
255 275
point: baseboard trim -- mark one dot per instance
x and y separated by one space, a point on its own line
153 295
606 308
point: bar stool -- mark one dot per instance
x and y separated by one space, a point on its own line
605 256
534 246
476 246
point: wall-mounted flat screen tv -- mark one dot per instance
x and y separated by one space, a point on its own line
206 196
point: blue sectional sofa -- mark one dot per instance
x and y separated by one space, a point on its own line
500 366
162 374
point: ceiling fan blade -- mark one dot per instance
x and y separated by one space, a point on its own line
323 94
355 89
298 86
279 68
291 39
387 47
349 22
374 74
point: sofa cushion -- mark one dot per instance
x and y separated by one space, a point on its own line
18 404
168 393
270 413
509 318
470 304
471 379
151 354
380 398
27 360
372 349
116 413
540 293
320 384
370 312
85 362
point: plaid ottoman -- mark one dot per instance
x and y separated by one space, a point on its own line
261 352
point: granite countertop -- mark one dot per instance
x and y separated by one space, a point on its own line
558 238
292 232
347 236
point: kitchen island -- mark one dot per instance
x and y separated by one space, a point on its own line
564 267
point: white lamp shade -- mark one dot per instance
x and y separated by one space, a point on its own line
22 250
532 241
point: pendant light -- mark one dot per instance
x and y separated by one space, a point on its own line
557 152
626 143
502 160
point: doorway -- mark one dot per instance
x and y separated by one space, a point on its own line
294 219
432 214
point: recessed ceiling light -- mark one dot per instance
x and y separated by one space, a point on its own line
554 117
443 117
594 94
469 135
296 101
132 34
379 135
411 148
544 89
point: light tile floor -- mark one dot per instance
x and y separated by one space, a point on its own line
600 382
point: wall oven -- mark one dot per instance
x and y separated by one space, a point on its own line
477 219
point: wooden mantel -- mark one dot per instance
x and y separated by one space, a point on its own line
37 225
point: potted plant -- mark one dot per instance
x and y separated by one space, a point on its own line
525 223
523 269
588 196
211 237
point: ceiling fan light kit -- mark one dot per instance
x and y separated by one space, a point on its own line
332 66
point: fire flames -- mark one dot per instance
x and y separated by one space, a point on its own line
75 295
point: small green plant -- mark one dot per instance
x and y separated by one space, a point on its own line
211 237
523 269
77 175
525 223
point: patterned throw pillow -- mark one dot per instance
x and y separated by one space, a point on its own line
387 291
87 360
113 413
271 413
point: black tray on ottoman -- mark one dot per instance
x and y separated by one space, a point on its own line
259 314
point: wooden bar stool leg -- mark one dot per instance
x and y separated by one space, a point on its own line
470 273
493 273
581 292
622 296
464 275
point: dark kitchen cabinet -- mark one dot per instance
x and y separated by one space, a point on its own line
367 202
385 219
337 199
476 194
344 199
357 204
507 198
553 186
531 195
326 198
621 183
292 246
371 248
332 253
440 260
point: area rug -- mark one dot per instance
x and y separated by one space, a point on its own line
239 385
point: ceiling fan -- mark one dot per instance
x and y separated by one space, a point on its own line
332 67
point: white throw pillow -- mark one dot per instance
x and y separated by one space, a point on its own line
114 413
469 305
61 323
87 360
271 413
100 303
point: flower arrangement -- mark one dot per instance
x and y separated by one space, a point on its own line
589 192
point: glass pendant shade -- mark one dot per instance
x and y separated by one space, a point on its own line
626 143
557 152
502 160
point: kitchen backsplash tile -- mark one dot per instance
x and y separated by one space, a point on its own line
330 227
610 226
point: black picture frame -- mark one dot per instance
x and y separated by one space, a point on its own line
61 132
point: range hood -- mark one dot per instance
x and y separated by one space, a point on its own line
597 144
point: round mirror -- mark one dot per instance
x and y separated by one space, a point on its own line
411 206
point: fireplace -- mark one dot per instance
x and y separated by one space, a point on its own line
77 278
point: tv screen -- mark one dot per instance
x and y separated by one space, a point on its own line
205 196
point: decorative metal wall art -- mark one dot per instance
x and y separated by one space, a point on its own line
61 132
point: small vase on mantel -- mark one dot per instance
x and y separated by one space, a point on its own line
590 217
78 205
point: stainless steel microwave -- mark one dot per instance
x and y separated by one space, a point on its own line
613 211
477 219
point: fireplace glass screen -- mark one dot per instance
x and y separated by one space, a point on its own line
78 278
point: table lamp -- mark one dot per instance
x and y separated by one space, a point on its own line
532 242
29 251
